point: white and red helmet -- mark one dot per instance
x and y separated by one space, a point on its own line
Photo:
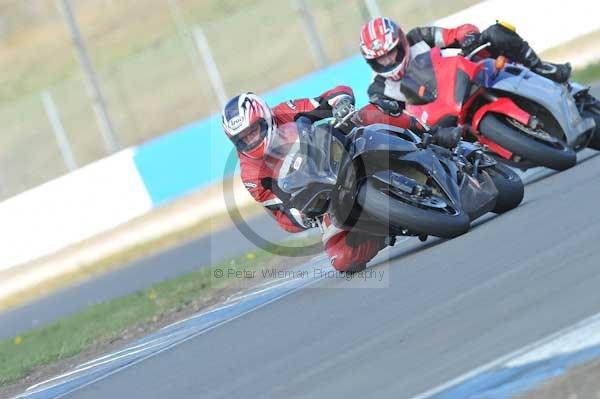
379 37
249 124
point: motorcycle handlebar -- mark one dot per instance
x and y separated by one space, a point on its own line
345 118
478 49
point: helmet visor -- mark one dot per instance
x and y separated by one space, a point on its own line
251 137
384 64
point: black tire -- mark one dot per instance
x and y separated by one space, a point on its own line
415 219
595 140
497 129
510 187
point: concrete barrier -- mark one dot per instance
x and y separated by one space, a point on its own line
76 206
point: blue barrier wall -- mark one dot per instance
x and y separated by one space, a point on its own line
195 155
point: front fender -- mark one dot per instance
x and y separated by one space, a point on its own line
504 106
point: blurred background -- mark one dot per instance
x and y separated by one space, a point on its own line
149 69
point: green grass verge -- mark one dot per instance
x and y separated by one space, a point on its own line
589 74
102 323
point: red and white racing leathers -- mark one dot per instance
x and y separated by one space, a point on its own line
420 40
348 251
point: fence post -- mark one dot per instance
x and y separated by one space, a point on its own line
93 87
373 8
59 131
312 36
211 66
187 40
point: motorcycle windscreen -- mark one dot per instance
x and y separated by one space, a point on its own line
306 169
419 84
283 144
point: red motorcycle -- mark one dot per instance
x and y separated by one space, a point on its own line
523 118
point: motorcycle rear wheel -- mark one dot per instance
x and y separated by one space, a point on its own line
378 202
510 187
509 136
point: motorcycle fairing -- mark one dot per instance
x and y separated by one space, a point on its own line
520 81
376 146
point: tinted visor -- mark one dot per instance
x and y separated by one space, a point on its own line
251 137
377 67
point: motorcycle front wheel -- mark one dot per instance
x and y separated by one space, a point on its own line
379 201
518 139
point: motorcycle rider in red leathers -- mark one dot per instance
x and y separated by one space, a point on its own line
249 123
388 52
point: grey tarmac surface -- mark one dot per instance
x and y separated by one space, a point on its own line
450 307
138 275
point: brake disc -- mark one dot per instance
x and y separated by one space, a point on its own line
536 133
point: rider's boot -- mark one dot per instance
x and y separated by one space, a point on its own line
559 73
505 40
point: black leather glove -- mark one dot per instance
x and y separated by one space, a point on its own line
390 107
342 107
503 40
447 137
470 42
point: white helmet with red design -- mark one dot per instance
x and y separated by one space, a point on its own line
385 47
249 124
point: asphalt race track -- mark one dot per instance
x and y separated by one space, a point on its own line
450 307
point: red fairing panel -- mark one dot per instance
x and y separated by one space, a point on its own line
446 70
504 106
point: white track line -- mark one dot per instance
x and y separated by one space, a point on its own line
174 344
595 319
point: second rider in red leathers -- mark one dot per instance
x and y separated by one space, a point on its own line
388 51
